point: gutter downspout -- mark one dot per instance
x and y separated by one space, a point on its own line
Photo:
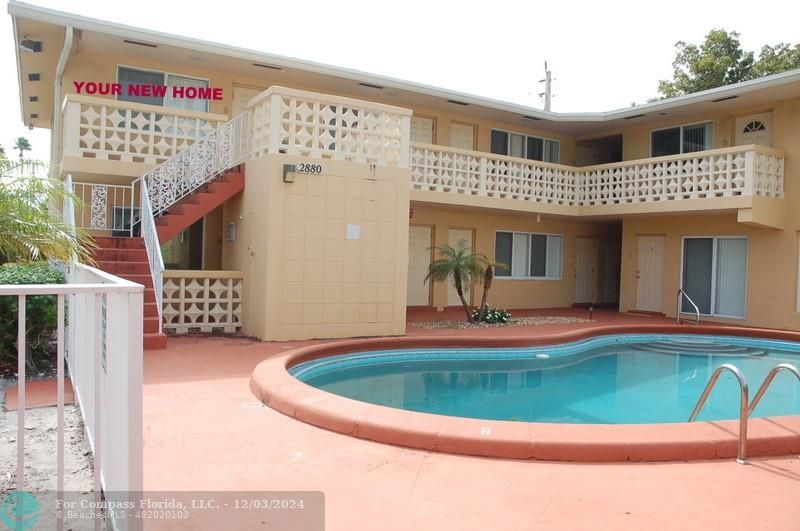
56 134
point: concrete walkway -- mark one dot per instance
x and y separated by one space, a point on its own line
203 430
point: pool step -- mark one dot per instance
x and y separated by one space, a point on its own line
676 347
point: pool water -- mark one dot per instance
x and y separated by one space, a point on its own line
623 379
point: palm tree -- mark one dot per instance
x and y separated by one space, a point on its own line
29 228
22 145
460 264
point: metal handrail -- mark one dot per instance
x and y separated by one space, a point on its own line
741 450
768 380
681 293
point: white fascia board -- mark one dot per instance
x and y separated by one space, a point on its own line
50 16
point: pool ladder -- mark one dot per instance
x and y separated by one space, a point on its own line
746 407
681 295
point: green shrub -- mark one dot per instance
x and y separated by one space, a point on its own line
40 316
491 316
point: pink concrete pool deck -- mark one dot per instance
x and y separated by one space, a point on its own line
205 430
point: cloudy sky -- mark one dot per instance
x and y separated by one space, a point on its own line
603 55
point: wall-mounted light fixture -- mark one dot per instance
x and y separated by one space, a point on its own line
230 232
289 173
30 46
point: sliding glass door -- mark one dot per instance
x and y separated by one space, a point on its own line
715 275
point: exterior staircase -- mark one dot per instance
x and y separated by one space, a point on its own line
127 258
202 201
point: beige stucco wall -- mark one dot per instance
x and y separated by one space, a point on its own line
304 277
84 66
507 292
771 266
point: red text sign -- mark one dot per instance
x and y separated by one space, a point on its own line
147 91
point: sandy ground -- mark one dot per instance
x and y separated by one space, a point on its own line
40 448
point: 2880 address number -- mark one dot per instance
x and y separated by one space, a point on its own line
314 169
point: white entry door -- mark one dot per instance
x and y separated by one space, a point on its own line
419 257
455 237
584 269
754 129
650 274
241 95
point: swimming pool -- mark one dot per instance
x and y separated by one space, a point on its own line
616 379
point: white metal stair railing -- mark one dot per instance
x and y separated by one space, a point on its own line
172 180
153 247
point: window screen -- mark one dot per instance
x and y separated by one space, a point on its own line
132 76
665 142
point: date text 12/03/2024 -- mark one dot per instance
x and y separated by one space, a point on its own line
99 88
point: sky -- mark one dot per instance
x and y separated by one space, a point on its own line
603 55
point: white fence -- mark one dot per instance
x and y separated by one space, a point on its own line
102 346
728 172
317 125
205 301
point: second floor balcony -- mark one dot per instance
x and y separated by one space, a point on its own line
103 135
742 179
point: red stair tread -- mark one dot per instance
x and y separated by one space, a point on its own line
188 210
126 258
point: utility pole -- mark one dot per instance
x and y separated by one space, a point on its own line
547 94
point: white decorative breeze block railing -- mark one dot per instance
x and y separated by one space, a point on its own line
728 172
153 248
204 301
107 129
220 150
768 174
309 124
445 169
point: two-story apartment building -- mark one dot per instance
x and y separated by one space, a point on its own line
306 199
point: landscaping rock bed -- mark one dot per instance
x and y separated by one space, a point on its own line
519 321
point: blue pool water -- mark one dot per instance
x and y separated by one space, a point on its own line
623 379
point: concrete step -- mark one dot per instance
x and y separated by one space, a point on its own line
113 254
188 210
114 242
150 324
154 341
121 268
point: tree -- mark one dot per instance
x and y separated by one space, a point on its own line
3 159
29 228
720 60
459 264
775 59
22 145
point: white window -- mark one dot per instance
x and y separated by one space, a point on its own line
422 129
714 275
135 76
681 139
528 255
525 146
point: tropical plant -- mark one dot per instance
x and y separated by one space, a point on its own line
720 60
29 228
40 316
461 265
491 315
22 145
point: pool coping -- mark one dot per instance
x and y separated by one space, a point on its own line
275 387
